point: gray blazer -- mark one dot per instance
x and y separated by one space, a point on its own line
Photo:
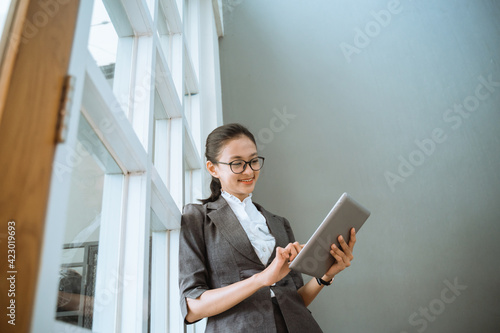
215 251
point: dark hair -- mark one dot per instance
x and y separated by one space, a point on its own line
215 144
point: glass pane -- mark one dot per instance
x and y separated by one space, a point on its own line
71 255
103 40
4 11
81 239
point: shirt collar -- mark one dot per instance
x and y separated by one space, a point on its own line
232 198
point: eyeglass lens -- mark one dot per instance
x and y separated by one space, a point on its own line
239 166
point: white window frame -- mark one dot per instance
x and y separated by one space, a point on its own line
147 200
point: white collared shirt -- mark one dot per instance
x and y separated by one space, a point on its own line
254 224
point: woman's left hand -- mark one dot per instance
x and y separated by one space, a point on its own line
342 256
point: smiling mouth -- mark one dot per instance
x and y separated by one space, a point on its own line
246 180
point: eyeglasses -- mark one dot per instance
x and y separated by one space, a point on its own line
239 166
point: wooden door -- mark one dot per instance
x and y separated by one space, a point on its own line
33 72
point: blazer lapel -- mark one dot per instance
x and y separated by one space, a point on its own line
277 230
275 226
226 221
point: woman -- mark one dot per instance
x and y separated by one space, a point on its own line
234 254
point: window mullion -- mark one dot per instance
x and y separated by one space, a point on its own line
176 322
117 14
162 150
159 284
143 94
172 14
163 204
176 188
193 40
122 84
209 80
139 16
109 280
167 87
178 64
138 216
136 254
100 107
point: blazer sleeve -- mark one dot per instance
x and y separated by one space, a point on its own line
296 276
193 274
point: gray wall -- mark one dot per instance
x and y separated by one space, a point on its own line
352 106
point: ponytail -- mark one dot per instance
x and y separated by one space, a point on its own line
215 188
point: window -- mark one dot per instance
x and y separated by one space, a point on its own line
103 40
6 15
4 10
143 116
92 199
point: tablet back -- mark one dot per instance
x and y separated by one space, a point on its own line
315 258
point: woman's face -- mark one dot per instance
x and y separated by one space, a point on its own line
239 185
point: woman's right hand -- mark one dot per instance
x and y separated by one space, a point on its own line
278 268
215 301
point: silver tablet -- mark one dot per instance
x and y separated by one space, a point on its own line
315 258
